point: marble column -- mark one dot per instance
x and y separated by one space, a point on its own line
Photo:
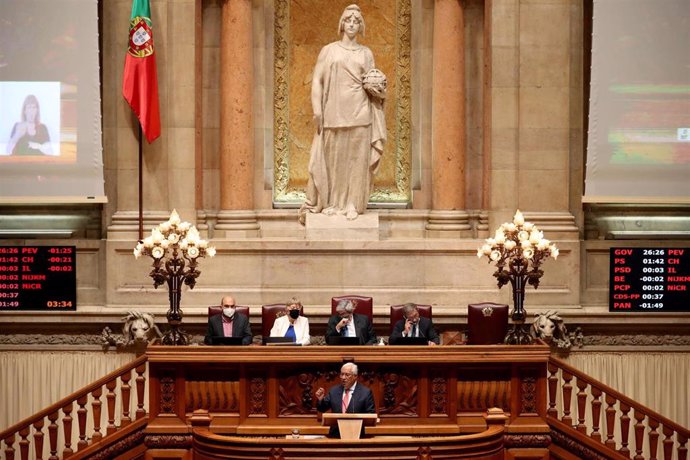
448 217
237 216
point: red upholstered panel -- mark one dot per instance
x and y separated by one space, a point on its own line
365 305
217 310
269 313
487 323
397 313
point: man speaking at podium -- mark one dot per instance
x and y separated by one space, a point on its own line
348 397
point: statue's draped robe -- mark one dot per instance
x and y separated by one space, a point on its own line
346 154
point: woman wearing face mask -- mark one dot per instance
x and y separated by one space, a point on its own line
292 324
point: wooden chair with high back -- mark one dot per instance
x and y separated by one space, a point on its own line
363 305
487 323
269 314
397 313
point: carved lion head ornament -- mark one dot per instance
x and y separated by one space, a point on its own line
140 328
550 327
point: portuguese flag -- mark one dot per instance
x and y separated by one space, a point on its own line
140 80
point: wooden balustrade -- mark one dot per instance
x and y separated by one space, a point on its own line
32 431
581 411
646 423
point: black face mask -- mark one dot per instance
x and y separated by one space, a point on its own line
294 314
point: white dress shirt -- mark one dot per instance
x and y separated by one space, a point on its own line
351 331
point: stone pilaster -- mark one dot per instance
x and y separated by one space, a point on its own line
236 216
448 217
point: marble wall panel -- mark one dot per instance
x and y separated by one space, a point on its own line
504 66
544 66
504 108
544 148
504 143
544 107
546 190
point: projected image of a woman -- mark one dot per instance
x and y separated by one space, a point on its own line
29 136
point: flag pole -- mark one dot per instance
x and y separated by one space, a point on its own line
141 187
140 86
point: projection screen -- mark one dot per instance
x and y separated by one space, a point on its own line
638 147
50 117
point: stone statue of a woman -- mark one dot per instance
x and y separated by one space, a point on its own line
347 98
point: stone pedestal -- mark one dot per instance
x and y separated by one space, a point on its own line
323 227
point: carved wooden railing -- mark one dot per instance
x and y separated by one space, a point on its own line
618 412
29 435
486 445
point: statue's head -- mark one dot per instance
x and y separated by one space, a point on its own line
351 11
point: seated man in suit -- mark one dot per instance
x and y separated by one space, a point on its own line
413 325
347 323
292 324
348 397
228 324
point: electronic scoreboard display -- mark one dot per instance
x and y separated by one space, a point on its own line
649 279
38 278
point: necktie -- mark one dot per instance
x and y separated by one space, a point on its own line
343 331
346 400
414 330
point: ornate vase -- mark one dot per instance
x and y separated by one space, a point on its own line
518 334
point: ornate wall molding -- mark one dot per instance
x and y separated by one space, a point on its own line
257 390
636 340
613 340
564 441
295 394
168 441
399 394
120 447
528 394
439 395
51 339
527 440
281 116
167 398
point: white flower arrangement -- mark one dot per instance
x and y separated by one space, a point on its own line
175 248
174 237
521 247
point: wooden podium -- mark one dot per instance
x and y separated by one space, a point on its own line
350 425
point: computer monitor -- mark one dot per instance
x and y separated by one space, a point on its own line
279 341
340 340
409 341
218 340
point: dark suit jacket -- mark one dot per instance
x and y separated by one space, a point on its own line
240 328
363 328
361 402
426 329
